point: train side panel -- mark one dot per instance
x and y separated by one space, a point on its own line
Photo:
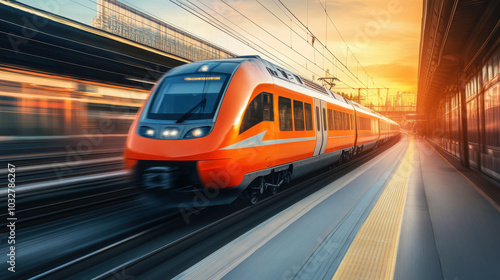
341 128
294 139
368 132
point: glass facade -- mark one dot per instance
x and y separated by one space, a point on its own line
482 93
125 21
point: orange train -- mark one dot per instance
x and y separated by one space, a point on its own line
212 131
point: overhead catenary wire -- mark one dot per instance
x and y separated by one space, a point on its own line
322 68
307 30
218 25
236 10
323 45
228 30
269 33
250 45
348 49
202 14
345 43
274 53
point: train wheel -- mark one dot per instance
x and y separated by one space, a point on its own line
339 162
255 190
288 178
347 156
342 159
284 180
273 190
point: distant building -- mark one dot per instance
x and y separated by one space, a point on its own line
409 101
125 21
401 101
386 100
374 98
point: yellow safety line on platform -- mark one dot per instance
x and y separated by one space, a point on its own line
372 254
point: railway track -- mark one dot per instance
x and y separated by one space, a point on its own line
42 196
44 167
176 244
110 192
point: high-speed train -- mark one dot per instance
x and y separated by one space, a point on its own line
217 130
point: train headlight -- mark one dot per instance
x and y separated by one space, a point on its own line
198 132
147 131
170 132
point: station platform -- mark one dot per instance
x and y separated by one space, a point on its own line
405 214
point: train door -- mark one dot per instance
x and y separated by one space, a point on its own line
321 130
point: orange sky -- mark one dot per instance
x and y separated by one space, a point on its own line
383 35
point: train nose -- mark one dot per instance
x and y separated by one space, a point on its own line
159 178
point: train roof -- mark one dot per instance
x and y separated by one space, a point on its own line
283 77
228 67
286 75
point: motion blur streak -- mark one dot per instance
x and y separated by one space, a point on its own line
37 105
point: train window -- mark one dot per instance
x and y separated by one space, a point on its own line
308 113
187 97
317 119
324 119
364 123
330 119
337 120
348 120
298 115
267 104
285 113
345 122
260 109
342 123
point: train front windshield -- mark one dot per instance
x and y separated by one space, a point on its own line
188 97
